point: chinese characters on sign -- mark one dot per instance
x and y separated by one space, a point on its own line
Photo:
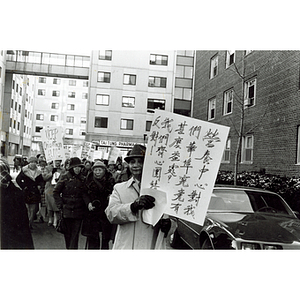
182 159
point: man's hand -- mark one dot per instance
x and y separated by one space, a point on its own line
143 202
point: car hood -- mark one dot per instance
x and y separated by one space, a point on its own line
259 226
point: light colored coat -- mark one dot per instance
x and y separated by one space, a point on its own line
131 233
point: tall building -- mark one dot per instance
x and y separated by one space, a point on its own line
125 87
261 90
60 102
3 134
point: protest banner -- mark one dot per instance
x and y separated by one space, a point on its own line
52 140
72 151
181 164
113 154
88 150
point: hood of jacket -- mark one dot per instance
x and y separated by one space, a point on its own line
30 174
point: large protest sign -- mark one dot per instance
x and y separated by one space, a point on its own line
181 164
52 139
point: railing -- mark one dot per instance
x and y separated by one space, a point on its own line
48 58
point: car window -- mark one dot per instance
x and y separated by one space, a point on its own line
230 200
247 201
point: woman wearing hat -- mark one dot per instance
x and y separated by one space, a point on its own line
125 207
71 198
100 183
30 180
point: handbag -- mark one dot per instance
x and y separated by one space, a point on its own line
61 224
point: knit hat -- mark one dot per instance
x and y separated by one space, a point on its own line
99 164
75 162
137 151
32 159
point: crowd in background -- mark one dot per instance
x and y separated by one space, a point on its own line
35 183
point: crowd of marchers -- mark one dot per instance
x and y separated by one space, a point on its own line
80 197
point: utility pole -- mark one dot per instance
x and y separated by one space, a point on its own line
22 121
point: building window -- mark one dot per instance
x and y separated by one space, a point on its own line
157 82
12 103
71 94
14 124
72 82
148 125
155 104
211 108
40 117
105 54
82 132
84 95
103 77
129 79
247 149
19 110
101 122
53 118
41 92
156 59
228 102
70 119
126 124
18 128
214 66
20 91
38 128
250 93
230 57
55 93
71 107
102 99
56 81
54 105
226 154
17 88
0 71
83 120
16 106
42 79
69 131
85 83
128 101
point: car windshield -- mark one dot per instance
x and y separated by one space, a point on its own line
248 201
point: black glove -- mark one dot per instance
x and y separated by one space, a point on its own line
165 226
145 201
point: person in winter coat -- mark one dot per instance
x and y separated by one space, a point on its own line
51 175
71 197
99 184
126 205
15 232
30 180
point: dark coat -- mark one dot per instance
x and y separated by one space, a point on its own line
70 195
15 232
102 190
31 186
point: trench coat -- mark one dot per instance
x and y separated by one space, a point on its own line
131 233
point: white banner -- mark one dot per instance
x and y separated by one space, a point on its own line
52 139
181 165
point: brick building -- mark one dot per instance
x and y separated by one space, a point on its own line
262 89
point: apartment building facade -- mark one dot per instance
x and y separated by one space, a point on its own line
125 87
60 102
256 94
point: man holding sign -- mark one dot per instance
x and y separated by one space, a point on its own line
126 206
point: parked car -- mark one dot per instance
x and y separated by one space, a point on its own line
241 218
